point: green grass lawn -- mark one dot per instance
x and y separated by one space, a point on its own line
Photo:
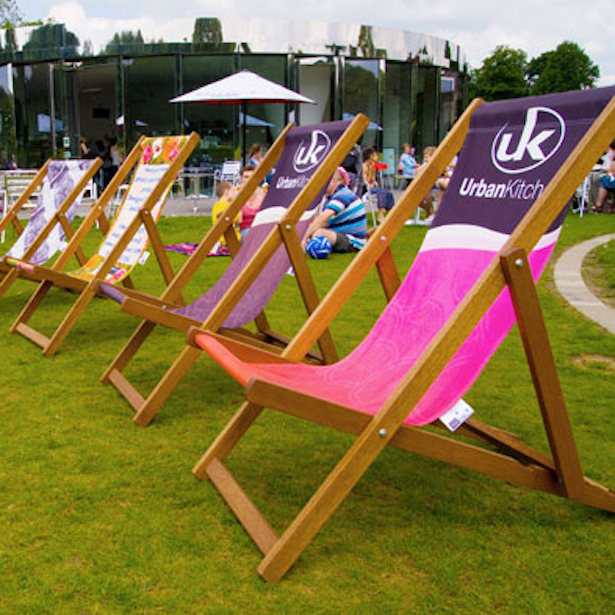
599 270
100 516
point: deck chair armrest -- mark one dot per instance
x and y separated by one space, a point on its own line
119 294
153 310
45 274
244 352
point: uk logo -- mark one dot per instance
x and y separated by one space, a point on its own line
542 135
307 157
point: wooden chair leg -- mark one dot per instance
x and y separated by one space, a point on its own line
7 281
69 321
34 301
166 386
125 355
323 503
226 441
544 372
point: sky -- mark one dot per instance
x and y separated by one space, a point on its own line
478 26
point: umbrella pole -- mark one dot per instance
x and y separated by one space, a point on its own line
244 109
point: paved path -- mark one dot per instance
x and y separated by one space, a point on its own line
569 282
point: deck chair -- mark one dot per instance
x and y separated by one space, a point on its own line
474 276
62 183
154 162
13 203
305 159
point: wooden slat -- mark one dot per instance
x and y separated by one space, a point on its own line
139 295
269 341
508 443
228 438
58 278
544 373
71 318
306 285
68 232
244 348
32 334
153 313
388 273
132 396
166 385
248 514
158 248
122 359
30 189
34 301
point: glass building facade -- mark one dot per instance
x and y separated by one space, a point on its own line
411 86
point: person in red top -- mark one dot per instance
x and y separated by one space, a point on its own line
253 204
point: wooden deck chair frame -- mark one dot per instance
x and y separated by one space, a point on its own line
10 274
150 309
11 214
513 461
87 290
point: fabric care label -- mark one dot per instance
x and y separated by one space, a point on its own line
457 415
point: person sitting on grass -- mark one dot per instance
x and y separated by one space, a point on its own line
342 219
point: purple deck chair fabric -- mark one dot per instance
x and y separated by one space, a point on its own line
305 149
62 176
512 151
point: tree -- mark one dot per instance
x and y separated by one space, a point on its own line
501 76
10 18
134 40
87 49
52 36
366 43
207 30
566 68
10 13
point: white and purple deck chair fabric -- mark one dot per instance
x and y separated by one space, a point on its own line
512 151
61 178
305 149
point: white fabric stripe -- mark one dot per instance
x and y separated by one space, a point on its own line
275 214
470 237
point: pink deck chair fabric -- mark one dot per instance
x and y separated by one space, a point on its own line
512 151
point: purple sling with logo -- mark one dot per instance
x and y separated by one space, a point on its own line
305 149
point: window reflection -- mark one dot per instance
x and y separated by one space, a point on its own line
361 93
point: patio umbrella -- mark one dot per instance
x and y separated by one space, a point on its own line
120 122
240 89
349 117
256 122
